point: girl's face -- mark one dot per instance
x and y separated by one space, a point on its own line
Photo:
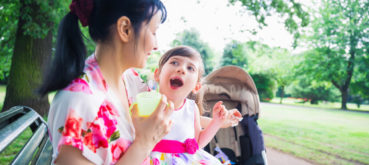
178 77
147 40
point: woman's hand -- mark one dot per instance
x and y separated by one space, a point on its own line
150 130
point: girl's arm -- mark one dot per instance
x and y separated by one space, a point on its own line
204 136
205 121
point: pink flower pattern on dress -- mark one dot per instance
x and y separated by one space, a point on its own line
156 161
98 132
72 130
79 85
118 148
134 72
106 112
88 141
203 162
99 138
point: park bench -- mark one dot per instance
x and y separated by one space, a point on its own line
13 122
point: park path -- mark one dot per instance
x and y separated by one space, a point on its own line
276 157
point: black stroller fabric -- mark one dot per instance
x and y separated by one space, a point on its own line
252 143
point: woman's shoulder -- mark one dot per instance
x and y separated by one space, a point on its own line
80 101
89 123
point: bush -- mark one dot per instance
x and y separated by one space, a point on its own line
265 86
314 92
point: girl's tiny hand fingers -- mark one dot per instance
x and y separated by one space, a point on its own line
218 104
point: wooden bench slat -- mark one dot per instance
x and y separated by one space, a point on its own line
26 154
14 129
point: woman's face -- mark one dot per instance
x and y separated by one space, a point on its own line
147 40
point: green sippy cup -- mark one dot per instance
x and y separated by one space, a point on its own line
147 102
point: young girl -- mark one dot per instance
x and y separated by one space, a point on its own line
89 117
179 73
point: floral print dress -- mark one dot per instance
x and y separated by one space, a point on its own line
87 116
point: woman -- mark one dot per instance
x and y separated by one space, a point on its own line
89 118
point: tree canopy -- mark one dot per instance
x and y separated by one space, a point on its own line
340 40
234 53
191 38
293 12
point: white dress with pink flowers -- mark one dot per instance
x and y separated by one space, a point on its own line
179 146
87 116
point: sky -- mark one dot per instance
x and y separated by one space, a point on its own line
218 23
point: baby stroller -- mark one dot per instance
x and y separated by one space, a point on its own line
244 143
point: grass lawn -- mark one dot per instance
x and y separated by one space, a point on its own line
328 105
317 135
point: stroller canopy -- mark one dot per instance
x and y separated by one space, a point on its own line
233 86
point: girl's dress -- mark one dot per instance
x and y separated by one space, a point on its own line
87 116
179 146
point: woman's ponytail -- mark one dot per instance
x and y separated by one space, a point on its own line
69 59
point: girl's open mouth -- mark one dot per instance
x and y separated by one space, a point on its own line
176 83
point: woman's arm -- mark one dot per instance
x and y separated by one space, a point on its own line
135 154
71 155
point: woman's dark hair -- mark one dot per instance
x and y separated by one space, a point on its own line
70 55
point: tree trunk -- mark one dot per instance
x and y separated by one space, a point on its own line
313 101
344 94
29 57
282 94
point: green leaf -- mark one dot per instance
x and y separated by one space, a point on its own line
114 136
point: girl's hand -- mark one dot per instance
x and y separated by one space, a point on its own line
150 130
219 112
232 119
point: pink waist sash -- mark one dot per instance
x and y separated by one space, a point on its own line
172 146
